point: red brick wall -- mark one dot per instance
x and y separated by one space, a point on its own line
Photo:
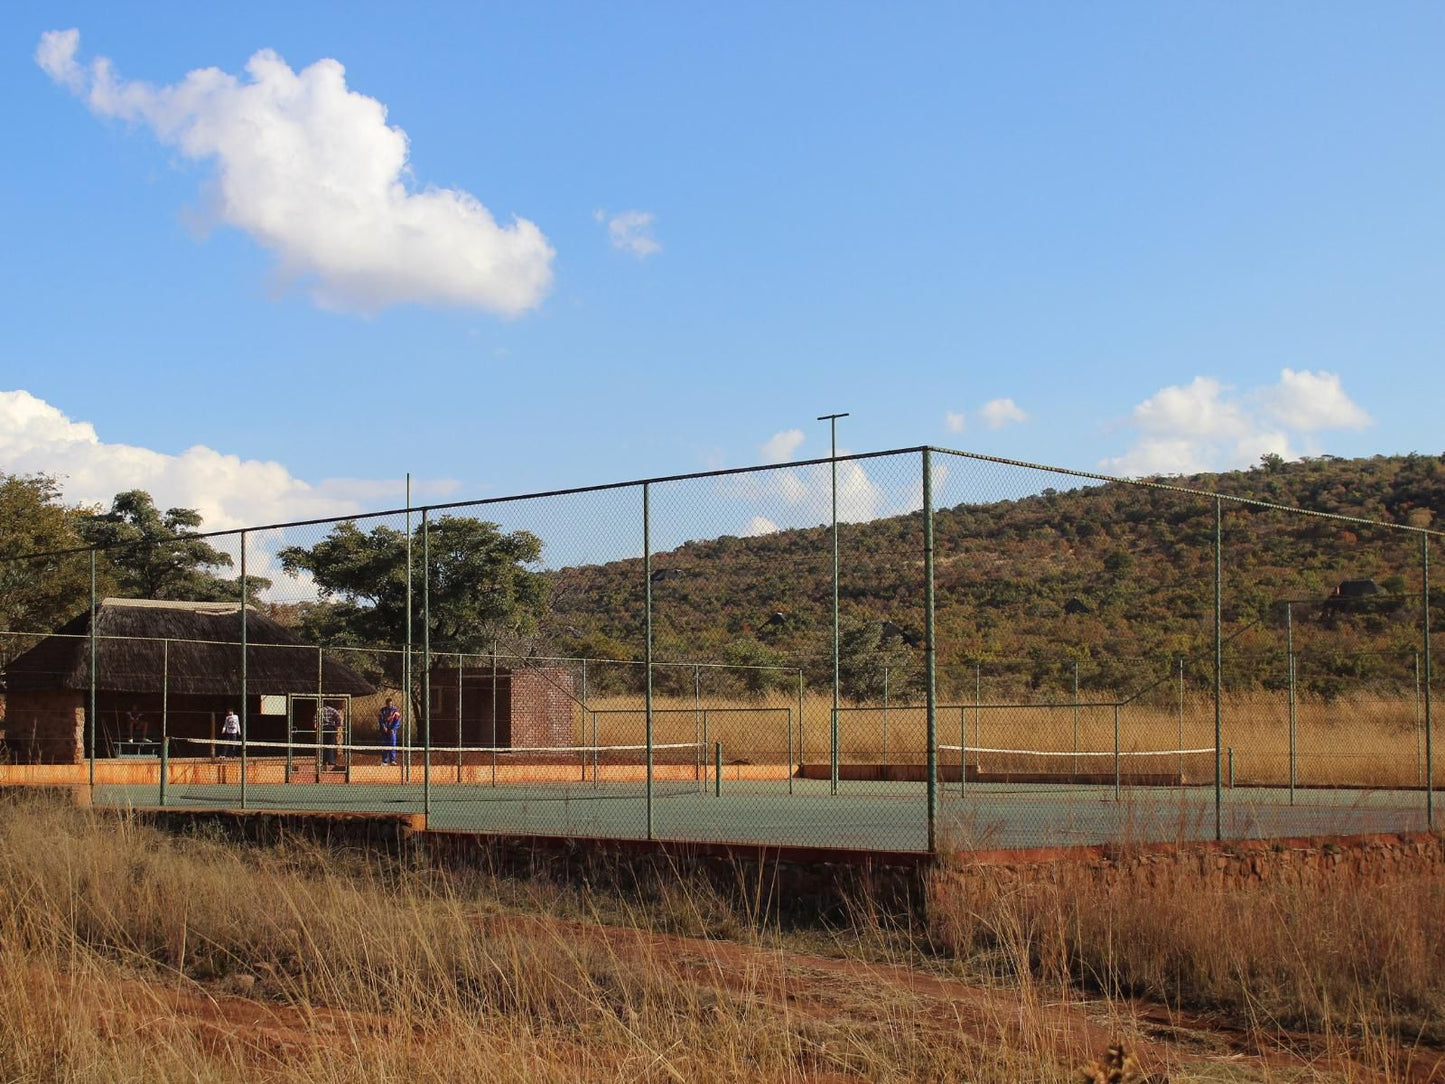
45 727
542 707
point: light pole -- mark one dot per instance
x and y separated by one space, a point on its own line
832 420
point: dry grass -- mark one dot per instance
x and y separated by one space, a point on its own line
1363 741
129 955
1336 957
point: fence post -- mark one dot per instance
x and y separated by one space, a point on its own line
1419 731
1289 651
697 716
165 710
802 745
647 622
165 767
1180 746
930 651
1116 751
425 664
1425 621
93 618
493 742
885 716
406 724
245 685
717 770
1218 667
790 750
962 748
1076 709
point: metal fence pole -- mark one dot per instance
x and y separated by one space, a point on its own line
460 663
885 716
1076 709
832 420
425 663
317 753
406 722
962 748
647 632
1425 621
802 744
790 750
697 717
1181 720
1419 731
245 685
93 619
1293 721
1116 752
1218 667
494 742
165 712
930 652
165 767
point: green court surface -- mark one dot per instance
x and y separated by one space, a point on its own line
862 816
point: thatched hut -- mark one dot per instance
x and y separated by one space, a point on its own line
175 665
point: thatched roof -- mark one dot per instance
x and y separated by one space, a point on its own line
203 656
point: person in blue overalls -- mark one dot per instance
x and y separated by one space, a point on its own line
388 721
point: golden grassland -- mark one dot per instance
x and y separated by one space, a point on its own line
1362 740
130 955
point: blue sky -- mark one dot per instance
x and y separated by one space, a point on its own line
1122 236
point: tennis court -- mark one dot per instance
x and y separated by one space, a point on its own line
603 792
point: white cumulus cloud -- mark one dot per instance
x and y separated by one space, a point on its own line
997 413
1308 401
1205 425
779 448
312 171
631 232
759 525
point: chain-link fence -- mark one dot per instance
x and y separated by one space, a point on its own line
909 650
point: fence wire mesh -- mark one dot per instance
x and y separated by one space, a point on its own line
773 655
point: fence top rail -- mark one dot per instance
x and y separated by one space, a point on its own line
604 487
702 708
1252 502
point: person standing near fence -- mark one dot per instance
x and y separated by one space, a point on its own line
388 721
330 734
231 732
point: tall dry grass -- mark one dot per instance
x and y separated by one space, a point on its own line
1338 957
1364 740
129 955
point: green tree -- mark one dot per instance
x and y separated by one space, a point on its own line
151 554
481 589
865 652
39 593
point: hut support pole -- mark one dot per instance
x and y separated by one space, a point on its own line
244 709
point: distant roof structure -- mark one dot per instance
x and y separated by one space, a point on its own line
194 645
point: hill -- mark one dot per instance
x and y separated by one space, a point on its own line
1115 577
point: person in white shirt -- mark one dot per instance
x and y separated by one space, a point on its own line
231 729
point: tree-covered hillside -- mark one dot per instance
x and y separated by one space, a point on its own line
1115 577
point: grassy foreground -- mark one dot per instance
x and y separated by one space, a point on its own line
129 955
